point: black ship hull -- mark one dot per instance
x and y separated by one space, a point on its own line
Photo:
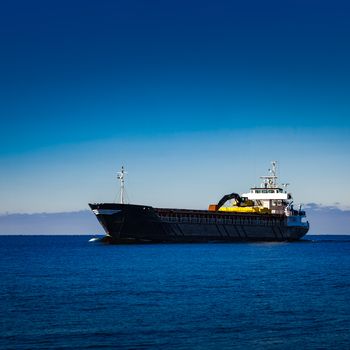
126 223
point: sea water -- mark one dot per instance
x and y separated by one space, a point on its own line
62 292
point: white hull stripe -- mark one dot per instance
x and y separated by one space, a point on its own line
105 211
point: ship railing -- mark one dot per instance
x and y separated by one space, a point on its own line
224 220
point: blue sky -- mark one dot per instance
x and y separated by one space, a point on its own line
194 97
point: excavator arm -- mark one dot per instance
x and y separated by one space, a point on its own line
227 197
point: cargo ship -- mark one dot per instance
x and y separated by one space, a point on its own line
265 213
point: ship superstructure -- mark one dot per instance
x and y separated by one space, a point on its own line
270 195
265 213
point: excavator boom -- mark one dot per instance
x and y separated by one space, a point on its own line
227 197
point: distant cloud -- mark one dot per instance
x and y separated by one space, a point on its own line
317 206
329 219
79 222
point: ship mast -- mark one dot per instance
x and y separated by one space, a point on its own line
120 176
270 181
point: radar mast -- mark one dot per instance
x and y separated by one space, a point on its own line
270 181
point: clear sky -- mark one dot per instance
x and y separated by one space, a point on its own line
193 97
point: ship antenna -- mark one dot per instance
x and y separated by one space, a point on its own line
121 175
270 181
274 172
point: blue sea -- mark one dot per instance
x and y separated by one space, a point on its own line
62 292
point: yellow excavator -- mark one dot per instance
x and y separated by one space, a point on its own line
241 205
